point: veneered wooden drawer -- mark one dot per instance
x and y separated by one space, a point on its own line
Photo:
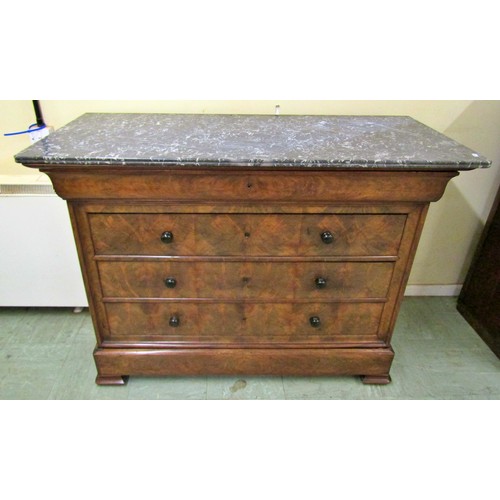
214 185
243 322
247 234
242 280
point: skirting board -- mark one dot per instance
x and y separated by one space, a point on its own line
433 290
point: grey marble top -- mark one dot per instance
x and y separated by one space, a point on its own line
251 140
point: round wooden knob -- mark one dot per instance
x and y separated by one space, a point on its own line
327 237
170 282
167 237
315 321
174 321
320 282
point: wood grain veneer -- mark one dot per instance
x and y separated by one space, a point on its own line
245 271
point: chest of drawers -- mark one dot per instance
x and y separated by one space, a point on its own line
230 267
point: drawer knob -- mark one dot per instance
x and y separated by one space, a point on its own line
170 282
315 321
174 321
320 282
167 237
327 237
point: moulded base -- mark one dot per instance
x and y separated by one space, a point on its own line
373 364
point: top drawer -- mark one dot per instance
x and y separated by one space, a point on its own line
247 234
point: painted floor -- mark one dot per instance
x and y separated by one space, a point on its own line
47 354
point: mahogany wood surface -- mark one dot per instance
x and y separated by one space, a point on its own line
245 252
170 183
246 235
242 280
242 321
376 362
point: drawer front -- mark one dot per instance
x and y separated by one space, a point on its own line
247 234
160 184
246 280
239 322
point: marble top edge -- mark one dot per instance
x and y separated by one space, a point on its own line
278 163
244 140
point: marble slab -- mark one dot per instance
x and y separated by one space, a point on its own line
353 142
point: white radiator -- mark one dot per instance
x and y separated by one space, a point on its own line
38 260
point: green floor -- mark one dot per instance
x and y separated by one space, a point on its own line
47 354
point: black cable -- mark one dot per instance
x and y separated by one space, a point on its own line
38 114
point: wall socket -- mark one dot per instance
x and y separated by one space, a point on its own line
36 135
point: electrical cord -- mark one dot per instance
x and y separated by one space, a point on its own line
29 130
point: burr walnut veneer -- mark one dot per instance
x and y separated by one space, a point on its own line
243 267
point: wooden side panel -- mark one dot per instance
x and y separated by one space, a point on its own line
83 241
408 249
